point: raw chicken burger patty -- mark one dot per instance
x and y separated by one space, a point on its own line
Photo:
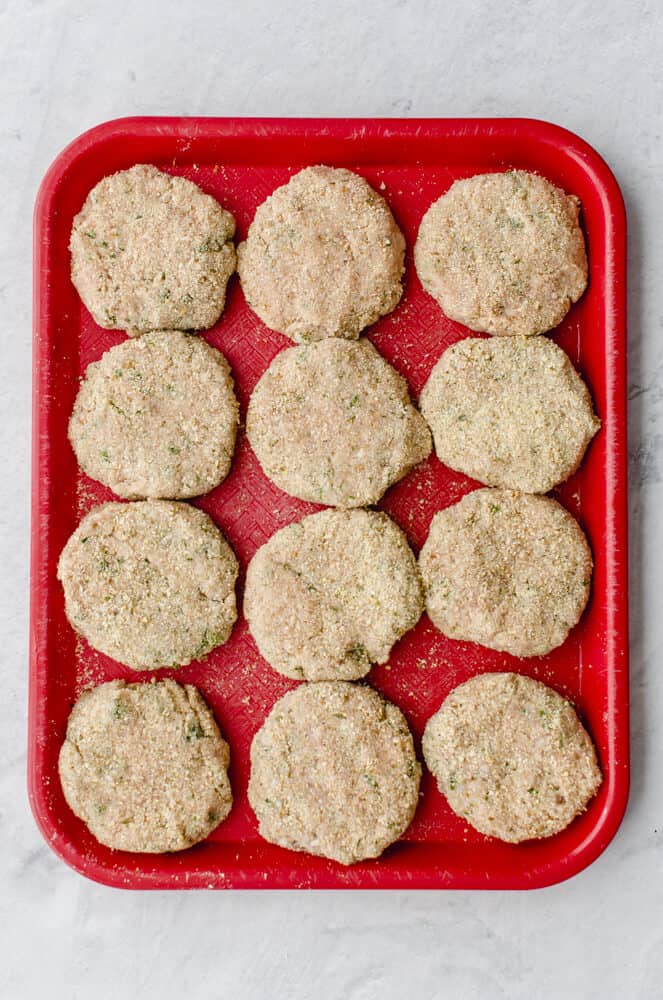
511 757
145 766
332 422
503 253
323 256
150 583
327 597
150 251
157 417
509 412
507 570
334 772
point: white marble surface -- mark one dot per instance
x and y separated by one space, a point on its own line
594 67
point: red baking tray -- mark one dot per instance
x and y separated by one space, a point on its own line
412 162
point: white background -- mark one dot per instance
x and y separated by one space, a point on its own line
594 67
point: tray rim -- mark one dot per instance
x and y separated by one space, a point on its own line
565 143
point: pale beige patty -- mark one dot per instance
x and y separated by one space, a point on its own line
145 766
511 757
507 570
509 412
332 423
151 583
152 252
157 417
503 253
323 256
334 772
329 596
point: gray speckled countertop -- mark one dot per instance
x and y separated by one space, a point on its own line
595 68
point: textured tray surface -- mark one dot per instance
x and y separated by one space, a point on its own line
240 162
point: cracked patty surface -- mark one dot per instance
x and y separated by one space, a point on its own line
327 597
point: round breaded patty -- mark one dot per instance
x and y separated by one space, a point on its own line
511 757
506 570
511 412
145 766
150 583
332 423
334 772
152 252
156 417
323 256
503 253
327 597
